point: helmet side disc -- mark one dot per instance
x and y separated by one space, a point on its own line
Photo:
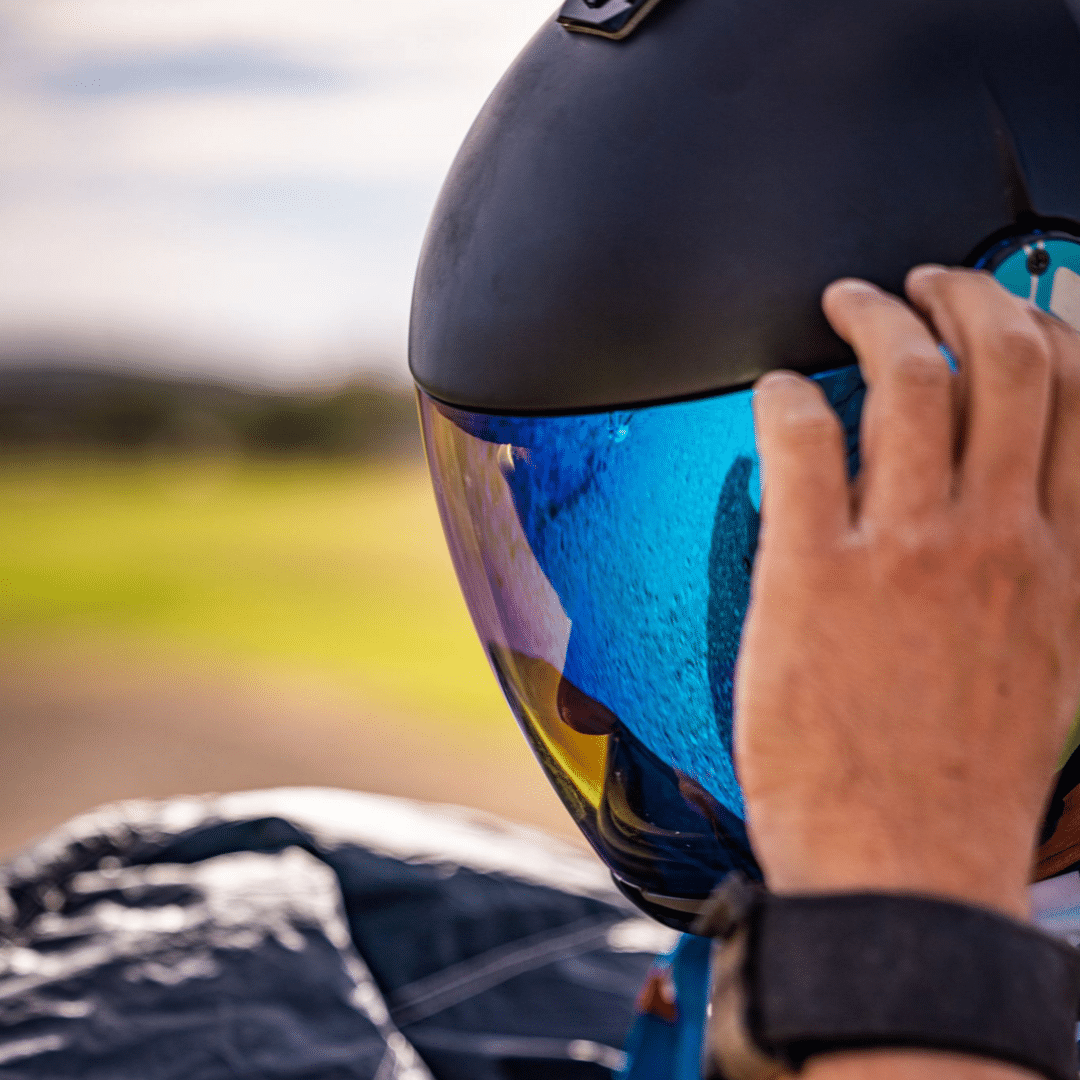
1043 267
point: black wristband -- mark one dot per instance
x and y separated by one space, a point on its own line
859 971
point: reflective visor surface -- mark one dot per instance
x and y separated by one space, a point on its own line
606 561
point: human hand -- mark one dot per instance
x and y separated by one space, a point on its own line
910 663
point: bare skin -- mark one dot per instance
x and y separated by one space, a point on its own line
910 664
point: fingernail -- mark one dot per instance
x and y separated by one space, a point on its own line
777 376
852 286
769 379
923 273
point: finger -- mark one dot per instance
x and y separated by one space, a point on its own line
1061 474
909 420
1006 355
948 333
805 492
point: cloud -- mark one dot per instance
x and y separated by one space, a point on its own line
241 177
295 274
219 68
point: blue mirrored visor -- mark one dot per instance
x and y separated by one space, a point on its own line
606 561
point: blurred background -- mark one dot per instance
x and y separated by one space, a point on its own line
220 563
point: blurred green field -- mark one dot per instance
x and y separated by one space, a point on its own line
333 567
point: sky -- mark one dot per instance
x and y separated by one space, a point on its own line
232 187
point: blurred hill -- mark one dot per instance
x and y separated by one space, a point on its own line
84 408
209 586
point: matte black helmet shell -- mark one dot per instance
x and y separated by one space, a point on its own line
654 218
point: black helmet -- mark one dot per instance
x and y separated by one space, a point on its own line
640 223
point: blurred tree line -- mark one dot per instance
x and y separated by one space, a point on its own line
52 408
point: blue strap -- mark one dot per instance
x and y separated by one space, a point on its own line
657 1049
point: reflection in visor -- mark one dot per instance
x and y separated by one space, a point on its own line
606 561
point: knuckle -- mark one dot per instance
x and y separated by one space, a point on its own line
1053 325
1021 352
953 283
927 281
1063 338
1009 549
914 559
938 554
807 427
918 369
910 546
923 545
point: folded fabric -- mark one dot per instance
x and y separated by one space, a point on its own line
311 933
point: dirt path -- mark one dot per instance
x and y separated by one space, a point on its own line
80 730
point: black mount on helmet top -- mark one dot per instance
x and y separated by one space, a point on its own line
615 19
654 218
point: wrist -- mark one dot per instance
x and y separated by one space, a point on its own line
909 1065
916 877
829 854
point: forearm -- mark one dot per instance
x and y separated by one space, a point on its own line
909 1065
908 670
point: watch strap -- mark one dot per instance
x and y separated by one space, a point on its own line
805 975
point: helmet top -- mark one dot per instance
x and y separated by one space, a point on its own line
655 218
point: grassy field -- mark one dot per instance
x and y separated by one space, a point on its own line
333 567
